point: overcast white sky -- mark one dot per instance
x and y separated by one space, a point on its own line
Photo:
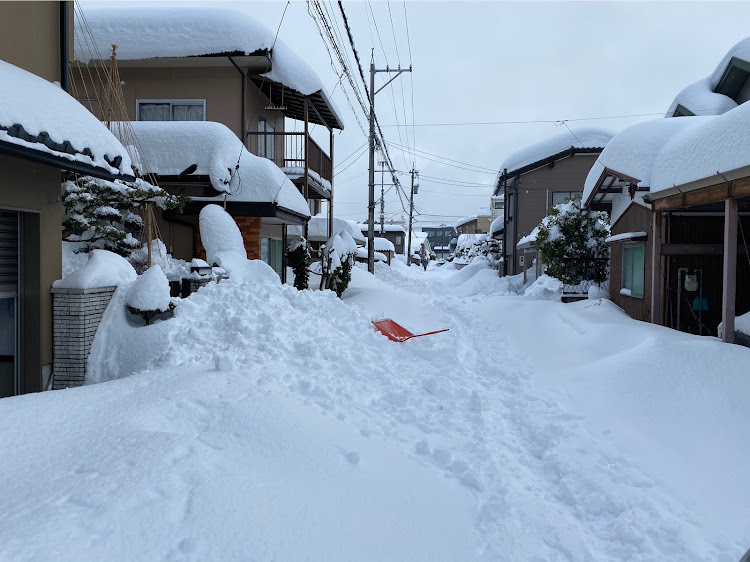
503 61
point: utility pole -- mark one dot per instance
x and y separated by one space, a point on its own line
371 202
382 198
411 215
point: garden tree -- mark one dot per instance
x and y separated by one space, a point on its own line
571 242
338 257
297 256
482 245
149 295
100 213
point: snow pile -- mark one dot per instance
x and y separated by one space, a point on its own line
169 148
719 145
317 229
54 122
220 235
175 269
545 288
377 256
103 269
583 137
633 151
150 291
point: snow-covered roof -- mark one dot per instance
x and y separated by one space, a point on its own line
168 148
383 245
718 145
465 220
701 97
40 116
633 151
317 229
581 138
529 239
148 32
497 225
388 228
484 212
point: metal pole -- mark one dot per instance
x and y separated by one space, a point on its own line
382 200
371 204
330 201
411 215
64 47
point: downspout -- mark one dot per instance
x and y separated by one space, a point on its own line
505 225
243 134
64 47
515 223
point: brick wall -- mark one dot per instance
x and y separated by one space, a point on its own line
250 230
76 316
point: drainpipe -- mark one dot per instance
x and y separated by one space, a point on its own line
243 135
64 50
505 225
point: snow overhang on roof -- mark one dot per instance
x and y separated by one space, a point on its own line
190 149
629 157
161 35
715 151
580 140
317 230
715 94
41 122
497 226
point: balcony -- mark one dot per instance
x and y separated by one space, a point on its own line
287 150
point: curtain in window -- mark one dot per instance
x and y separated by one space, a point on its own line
153 112
187 112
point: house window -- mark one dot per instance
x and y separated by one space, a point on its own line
270 252
562 196
171 110
498 205
633 271
398 239
266 143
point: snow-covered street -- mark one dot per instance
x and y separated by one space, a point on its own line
276 424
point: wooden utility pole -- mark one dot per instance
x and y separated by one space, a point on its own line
371 201
411 216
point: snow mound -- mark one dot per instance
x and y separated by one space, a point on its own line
150 291
700 99
545 288
220 235
103 269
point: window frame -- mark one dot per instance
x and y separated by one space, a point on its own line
263 137
628 291
172 103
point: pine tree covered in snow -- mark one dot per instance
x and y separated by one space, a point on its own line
571 242
297 257
102 211
481 245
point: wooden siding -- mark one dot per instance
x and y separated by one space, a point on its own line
635 219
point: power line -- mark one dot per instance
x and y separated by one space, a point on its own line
477 123
481 168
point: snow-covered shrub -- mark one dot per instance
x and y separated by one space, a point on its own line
100 213
172 267
571 242
472 245
297 256
338 258
149 294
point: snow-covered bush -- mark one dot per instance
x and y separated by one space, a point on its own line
472 245
297 256
338 258
149 294
571 242
100 213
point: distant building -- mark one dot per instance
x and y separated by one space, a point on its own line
440 237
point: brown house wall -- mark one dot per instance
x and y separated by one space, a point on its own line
535 192
250 230
635 219
26 186
30 36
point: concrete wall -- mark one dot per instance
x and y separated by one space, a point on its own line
635 219
33 188
30 36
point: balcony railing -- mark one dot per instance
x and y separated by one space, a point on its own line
293 152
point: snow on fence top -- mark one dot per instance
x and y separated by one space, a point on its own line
634 150
581 138
103 269
716 146
169 148
39 115
142 33
700 97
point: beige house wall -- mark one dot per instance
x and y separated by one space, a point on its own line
30 187
30 36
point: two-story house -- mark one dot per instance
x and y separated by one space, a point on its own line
539 176
43 130
440 237
677 189
220 65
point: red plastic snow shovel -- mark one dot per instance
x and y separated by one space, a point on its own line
396 332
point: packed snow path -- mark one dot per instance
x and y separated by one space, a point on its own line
275 424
